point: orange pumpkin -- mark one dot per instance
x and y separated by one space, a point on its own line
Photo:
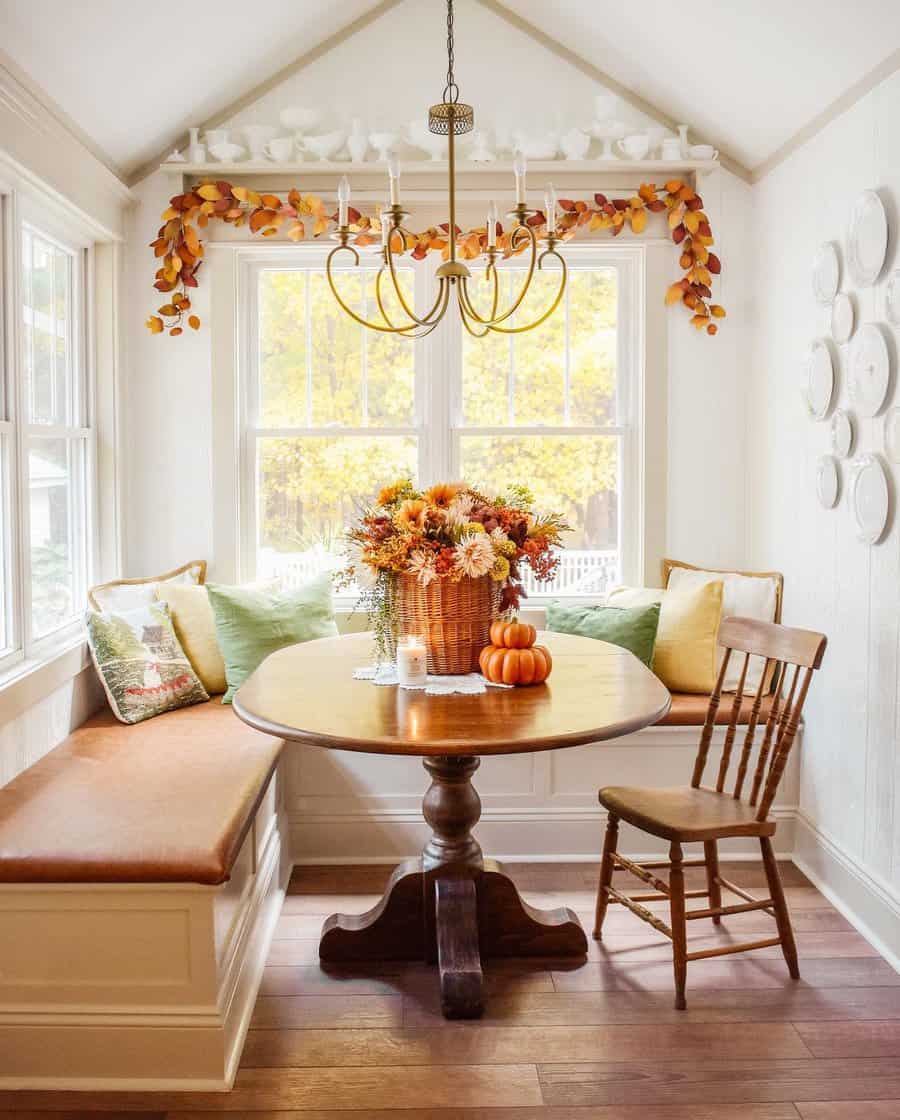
504 665
512 635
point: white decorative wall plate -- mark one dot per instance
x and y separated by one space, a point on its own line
870 498
867 239
818 380
843 318
841 433
828 481
869 370
892 434
892 299
826 273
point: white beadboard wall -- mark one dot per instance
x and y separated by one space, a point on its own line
849 831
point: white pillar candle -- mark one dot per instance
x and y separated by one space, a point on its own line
385 226
550 207
412 665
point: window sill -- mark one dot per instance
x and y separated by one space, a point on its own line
28 682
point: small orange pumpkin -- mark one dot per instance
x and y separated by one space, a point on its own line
504 665
513 634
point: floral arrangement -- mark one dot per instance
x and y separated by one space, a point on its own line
180 250
450 531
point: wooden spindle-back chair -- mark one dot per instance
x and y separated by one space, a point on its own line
709 813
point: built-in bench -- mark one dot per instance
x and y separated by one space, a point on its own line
141 875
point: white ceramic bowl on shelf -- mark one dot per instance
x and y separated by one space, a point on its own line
325 146
226 153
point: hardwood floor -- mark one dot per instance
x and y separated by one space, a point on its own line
601 1041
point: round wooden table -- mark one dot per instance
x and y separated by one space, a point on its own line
451 905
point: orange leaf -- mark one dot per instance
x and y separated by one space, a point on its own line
691 221
712 329
647 191
674 186
699 321
155 324
271 201
194 323
675 216
167 215
673 294
260 218
168 309
718 311
320 227
175 331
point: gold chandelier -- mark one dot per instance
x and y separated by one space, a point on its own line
451 118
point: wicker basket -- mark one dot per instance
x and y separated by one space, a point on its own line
453 617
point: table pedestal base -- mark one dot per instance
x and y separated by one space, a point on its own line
451 906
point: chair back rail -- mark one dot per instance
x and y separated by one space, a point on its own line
788 653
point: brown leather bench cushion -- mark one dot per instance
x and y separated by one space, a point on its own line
167 800
689 710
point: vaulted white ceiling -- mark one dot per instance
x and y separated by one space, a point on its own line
133 76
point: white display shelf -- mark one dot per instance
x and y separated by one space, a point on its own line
560 168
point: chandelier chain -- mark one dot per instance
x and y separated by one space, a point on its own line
451 89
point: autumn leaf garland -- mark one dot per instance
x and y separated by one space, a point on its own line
180 249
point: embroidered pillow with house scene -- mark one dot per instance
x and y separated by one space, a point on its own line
141 663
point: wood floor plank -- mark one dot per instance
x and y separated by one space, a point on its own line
486 1045
850 1110
750 971
768 1005
700 1111
847 1040
396 1088
328 1011
715 1081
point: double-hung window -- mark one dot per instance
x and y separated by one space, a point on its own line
331 411
45 441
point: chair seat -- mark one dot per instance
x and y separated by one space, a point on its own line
684 813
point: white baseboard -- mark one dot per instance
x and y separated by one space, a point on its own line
869 903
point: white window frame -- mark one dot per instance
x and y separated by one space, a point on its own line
438 369
19 211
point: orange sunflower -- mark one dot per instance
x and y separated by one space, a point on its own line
411 515
443 493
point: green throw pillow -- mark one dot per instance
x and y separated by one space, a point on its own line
633 628
251 623
141 663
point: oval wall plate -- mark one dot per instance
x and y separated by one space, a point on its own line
842 433
869 370
826 273
818 380
870 499
867 239
828 481
843 318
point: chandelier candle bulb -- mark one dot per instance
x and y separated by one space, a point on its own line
492 225
343 200
411 661
519 169
550 207
385 226
394 173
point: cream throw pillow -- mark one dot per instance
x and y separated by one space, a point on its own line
742 597
685 657
195 628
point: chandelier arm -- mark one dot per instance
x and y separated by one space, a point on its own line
553 306
349 310
401 299
490 270
408 330
466 314
526 284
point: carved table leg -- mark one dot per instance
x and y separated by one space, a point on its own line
452 906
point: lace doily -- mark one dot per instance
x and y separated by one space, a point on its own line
467 683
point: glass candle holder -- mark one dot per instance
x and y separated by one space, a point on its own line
412 662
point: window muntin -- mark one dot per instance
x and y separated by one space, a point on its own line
331 411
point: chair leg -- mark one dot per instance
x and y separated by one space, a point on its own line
606 873
782 916
711 855
679 924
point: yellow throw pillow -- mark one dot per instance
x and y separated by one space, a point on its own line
686 656
195 628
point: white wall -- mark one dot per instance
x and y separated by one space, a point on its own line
851 765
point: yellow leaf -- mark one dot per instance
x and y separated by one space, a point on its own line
176 262
598 221
168 309
209 192
692 221
674 293
297 231
320 227
718 311
155 324
638 220
699 321
704 276
169 214
270 232
207 208
675 216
